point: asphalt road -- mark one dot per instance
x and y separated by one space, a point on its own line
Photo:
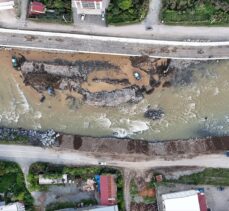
63 42
25 155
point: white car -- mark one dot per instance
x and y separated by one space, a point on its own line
102 163
82 17
103 16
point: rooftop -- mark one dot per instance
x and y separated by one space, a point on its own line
191 200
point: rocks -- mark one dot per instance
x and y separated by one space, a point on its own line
114 98
154 114
41 138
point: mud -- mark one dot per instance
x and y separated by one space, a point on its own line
168 150
101 83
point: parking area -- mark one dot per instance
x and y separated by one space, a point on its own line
90 20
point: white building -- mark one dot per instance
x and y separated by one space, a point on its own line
191 200
13 207
90 7
6 5
49 181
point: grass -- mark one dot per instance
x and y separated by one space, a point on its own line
51 170
210 176
198 13
123 12
12 184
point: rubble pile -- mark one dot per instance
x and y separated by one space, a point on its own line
41 138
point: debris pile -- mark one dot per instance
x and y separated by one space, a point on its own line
154 114
41 138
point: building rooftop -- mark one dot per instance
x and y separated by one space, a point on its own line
191 200
108 190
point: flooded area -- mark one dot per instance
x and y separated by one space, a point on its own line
195 105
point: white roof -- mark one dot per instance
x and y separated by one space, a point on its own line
6 5
13 207
102 208
180 201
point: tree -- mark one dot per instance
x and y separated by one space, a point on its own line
124 4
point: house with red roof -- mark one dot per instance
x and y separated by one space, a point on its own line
36 8
108 190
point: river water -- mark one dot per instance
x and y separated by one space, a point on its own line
195 106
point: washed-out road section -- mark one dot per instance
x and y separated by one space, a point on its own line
64 42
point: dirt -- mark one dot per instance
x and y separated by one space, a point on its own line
143 207
93 76
168 150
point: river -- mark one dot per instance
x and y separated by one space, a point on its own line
196 105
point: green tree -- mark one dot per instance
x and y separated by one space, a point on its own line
124 4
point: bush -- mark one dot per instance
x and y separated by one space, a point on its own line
195 12
12 184
127 11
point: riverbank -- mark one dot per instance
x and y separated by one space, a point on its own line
129 149
190 101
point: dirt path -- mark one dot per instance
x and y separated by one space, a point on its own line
152 18
128 175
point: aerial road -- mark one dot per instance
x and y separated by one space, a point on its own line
26 155
65 42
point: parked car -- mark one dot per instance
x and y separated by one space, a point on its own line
82 17
103 16
137 76
102 163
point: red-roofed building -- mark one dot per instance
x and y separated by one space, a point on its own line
36 8
202 202
108 190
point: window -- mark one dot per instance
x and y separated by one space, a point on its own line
88 5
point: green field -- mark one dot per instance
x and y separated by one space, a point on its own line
12 184
195 12
210 176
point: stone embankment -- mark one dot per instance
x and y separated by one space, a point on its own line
168 149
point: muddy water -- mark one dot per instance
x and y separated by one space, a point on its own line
195 106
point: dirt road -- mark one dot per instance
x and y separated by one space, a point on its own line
29 154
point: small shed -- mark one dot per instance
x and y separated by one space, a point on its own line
36 8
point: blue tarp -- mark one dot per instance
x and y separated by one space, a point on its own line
97 179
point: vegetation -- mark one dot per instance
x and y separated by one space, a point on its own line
54 171
12 184
197 12
57 11
127 11
64 205
210 176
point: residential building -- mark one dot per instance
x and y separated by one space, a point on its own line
90 7
191 200
6 4
108 190
13 207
